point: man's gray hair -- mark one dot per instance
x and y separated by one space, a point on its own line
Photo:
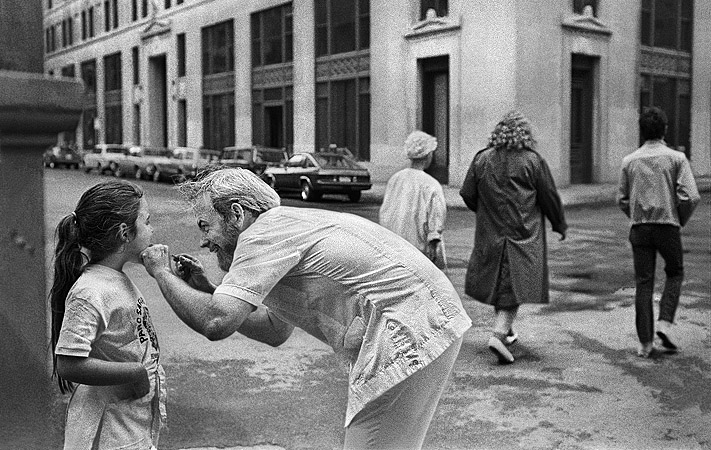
224 186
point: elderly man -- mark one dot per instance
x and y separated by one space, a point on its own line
414 206
345 280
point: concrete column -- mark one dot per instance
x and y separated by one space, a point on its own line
304 76
33 109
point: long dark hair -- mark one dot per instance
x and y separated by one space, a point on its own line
88 235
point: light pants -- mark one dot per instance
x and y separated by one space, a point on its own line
399 419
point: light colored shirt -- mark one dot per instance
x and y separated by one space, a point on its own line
107 318
354 285
414 207
657 186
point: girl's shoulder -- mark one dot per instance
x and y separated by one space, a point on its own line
98 284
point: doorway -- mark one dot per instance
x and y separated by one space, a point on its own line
157 101
274 126
435 112
581 119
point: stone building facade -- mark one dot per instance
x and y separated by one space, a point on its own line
364 73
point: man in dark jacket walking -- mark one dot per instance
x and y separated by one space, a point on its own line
510 188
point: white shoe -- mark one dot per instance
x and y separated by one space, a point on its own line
511 337
644 350
499 349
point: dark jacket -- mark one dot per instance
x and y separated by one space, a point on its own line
511 191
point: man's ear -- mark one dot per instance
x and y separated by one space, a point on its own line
238 212
123 232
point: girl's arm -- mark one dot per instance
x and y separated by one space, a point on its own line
97 372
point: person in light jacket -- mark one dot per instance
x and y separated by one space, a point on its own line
658 193
511 190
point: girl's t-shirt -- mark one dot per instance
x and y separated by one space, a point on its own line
106 317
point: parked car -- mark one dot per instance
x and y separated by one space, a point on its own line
58 156
315 174
101 156
255 158
153 163
192 160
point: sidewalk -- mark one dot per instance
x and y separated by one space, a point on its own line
573 195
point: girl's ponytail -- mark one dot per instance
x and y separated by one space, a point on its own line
68 263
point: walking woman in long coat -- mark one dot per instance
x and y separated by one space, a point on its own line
510 188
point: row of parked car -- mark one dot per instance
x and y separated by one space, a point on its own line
327 171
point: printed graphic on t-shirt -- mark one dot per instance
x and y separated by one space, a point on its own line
144 325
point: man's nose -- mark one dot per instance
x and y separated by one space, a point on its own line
204 242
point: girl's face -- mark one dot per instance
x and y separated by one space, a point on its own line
143 236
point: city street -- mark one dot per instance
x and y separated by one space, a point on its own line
576 382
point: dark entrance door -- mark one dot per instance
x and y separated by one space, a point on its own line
273 126
435 112
581 120
158 101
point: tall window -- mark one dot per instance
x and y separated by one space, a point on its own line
167 4
272 36
114 13
144 8
341 26
218 100
134 10
182 123
180 47
136 65
441 7
343 115
113 114
90 14
88 75
673 95
68 71
218 48
667 24
107 15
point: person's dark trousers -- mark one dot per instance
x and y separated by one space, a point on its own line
647 240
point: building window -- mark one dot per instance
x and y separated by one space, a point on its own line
88 75
107 16
136 66
113 111
272 36
218 48
579 6
137 124
441 8
218 101
112 72
180 44
667 24
343 115
91 22
115 13
179 2
144 8
134 10
49 4
673 96
167 4
83 26
341 26
182 123
68 71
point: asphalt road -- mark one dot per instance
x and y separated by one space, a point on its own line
576 383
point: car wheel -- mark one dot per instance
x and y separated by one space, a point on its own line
269 179
307 193
354 196
87 169
52 164
138 174
156 175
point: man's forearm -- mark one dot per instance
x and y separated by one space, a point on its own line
189 304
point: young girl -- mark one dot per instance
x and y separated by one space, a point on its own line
102 333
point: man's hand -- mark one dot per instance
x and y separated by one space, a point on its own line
562 236
156 259
190 270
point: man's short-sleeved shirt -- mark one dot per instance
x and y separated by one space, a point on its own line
354 285
107 318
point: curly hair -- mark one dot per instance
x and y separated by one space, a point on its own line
513 132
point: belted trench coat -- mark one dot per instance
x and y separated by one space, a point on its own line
511 192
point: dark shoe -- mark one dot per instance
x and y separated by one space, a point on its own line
511 337
667 343
499 349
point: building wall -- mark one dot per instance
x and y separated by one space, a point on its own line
502 55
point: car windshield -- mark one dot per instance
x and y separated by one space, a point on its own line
241 155
269 156
333 161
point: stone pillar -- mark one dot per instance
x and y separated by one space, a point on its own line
33 109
